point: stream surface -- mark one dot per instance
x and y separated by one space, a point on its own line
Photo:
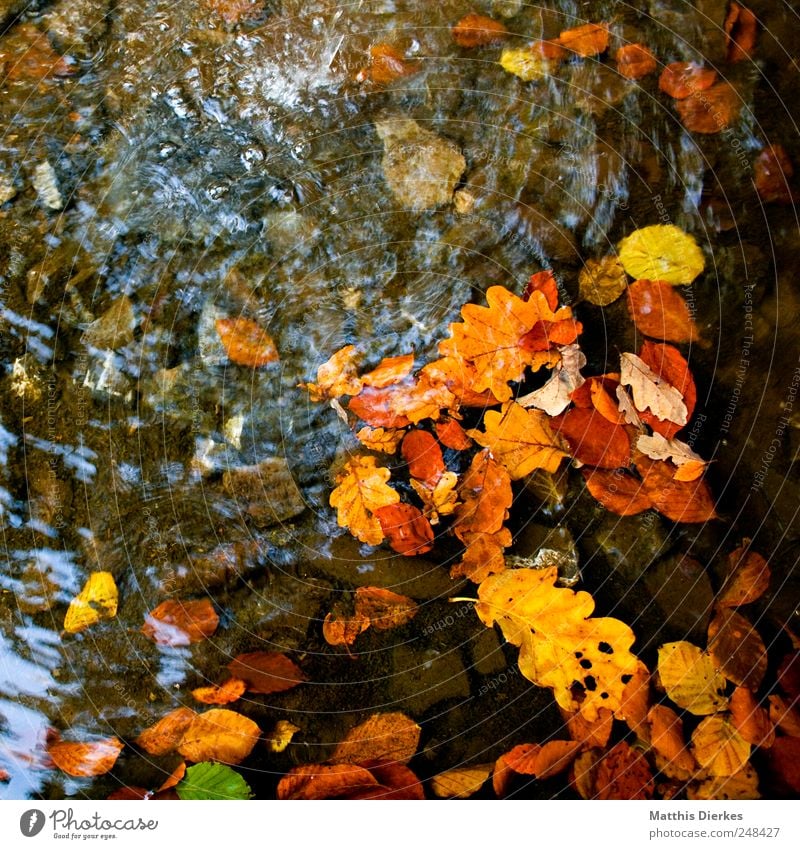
183 169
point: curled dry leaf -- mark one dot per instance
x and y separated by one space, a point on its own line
719 747
281 735
741 29
669 366
361 490
554 397
386 64
691 678
181 623
666 737
424 457
245 342
266 671
737 649
97 600
635 61
84 760
750 719
219 735
337 377
232 690
342 630
389 737
462 782
618 491
317 781
585 40
682 79
659 311
710 111
592 439
163 737
661 252
383 608
652 392
747 579
656 447
602 281
475 30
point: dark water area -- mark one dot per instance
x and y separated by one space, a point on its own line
177 168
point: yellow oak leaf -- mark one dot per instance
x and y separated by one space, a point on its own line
586 661
439 500
691 678
520 440
337 377
383 439
97 600
361 490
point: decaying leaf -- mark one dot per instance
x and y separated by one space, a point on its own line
710 111
83 760
635 61
651 392
747 579
772 171
383 608
462 782
484 555
737 649
318 781
622 773
337 377
585 40
361 490
691 679
97 600
602 281
342 630
246 343
554 397
784 715
719 747
669 366
661 252
219 735
475 30
281 735
656 447
163 737
266 671
224 694
181 623
659 311
682 79
441 500
635 702
389 737
485 493
741 29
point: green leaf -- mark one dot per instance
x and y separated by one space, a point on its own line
212 781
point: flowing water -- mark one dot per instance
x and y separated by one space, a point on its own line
189 169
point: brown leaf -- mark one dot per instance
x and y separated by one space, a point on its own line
384 609
719 747
266 671
383 737
617 491
593 439
710 111
784 765
246 343
460 783
26 54
635 61
387 64
785 715
589 734
789 675
602 281
423 455
397 780
635 702
666 737
483 555
163 737
586 40
682 79
680 501
475 30
741 29
772 171
339 630
237 11
318 781
222 694
85 759
281 735
407 530
219 735
747 580
623 773
750 719
737 649
658 310
555 756
181 623
130 793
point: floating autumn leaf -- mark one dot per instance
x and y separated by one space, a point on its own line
386 64
543 281
163 737
441 500
84 760
679 501
622 773
542 761
592 439
266 671
666 737
691 679
383 608
207 781
460 783
710 111
659 311
281 735
718 746
682 79
617 491
424 457
223 694
737 649
245 342
554 396
741 29
529 64
635 61
520 440
747 579
237 11
452 435
407 530
181 623
381 439
750 719
485 493
742 785
26 54
97 600
652 392
318 781
656 447
475 30
341 630
585 40
586 661
589 734
219 735
661 252
603 396
336 377
383 737
483 555
772 171
361 490
390 370
669 367
174 777
602 281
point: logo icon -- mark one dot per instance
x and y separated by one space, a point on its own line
31 822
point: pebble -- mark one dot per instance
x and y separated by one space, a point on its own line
46 184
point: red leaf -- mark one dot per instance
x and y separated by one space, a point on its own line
423 455
452 435
181 623
710 111
476 30
375 407
669 365
407 530
618 492
741 29
317 781
593 439
680 501
771 173
658 310
551 334
266 671
635 61
682 79
397 781
544 282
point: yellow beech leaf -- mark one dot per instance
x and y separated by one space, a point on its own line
462 782
219 735
691 679
337 377
527 64
741 785
97 600
602 281
383 439
520 440
718 746
661 252
361 490
281 735
439 500
586 661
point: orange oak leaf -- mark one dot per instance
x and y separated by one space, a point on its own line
710 111
592 439
440 500
163 737
266 671
361 490
384 608
585 40
544 281
377 407
246 343
181 623
741 29
336 377
772 171
391 737
319 781
682 79
483 555
219 735
635 61
679 501
381 439
340 630
658 310
485 493
424 457
666 737
737 649
223 694
386 64
406 528
452 435
475 30
450 383
750 719
747 579
668 365
617 491
83 760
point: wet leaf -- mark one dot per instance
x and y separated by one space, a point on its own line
656 447
281 735
635 61
784 764
460 783
602 281
452 435
747 579
361 490
772 171
659 311
224 694
246 343
381 439
592 439
585 40
520 440
719 747
691 679
635 702
424 457
682 79
26 54
750 719
527 64
652 392
594 734
441 500
742 785
237 11
543 281
181 623
669 366
617 491
396 781
266 671
163 737
174 777
784 715
710 111
390 370
407 530
741 29
317 781
622 773
737 649
666 737
207 781
679 501
383 737
483 555
97 600
384 608
542 761
789 674
559 644
336 377
661 252
83 760
340 630
485 493
387 64
219 735
475 30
